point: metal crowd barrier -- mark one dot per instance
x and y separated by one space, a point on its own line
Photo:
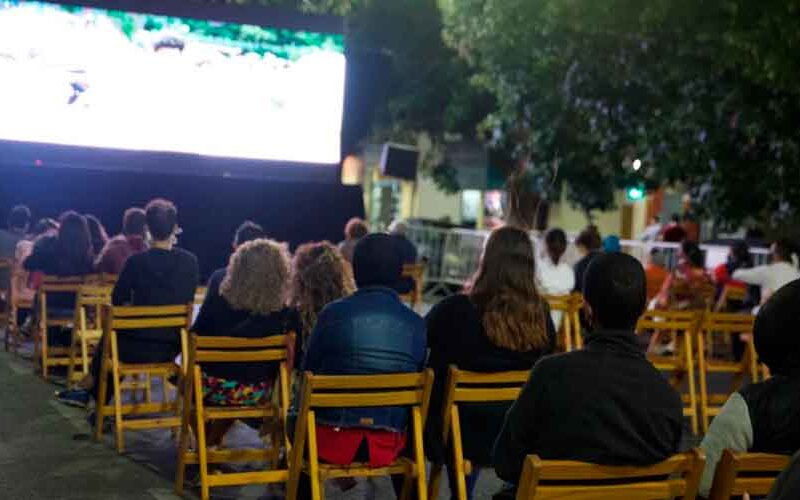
453 255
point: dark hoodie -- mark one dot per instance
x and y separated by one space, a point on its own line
156 278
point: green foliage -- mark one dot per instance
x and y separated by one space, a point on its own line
585 87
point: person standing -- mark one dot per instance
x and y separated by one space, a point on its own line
772 277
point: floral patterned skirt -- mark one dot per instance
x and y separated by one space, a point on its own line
224 392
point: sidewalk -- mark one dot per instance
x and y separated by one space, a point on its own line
46 452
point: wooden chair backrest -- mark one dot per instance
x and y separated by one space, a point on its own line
675 321
362 391
61 284
730 292
731 323
240 350
740 473
147 317
474 387
94 297
678 476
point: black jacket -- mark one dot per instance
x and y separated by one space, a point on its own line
218 318
156 278
605 404
456 336
774 408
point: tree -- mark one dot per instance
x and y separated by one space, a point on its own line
583 88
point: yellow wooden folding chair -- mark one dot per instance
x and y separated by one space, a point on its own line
470 387
359 391
682 326
88 329
738 474
727 324
129 320
676 477
417 273
54 356
205 350
569 331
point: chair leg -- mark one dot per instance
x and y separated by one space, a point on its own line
460 488
687 343
43 345
434 482
701 362
202 452
117 381
419 454
102 397
317 489
183 444
72 361
85 356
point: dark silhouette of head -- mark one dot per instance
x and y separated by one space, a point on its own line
783 250
590 239
376 262
248 231
134 222
693 255
162 219
556 243
615 287
19 219
776 339
355 229
74 239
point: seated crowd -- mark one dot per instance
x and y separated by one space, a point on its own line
604 404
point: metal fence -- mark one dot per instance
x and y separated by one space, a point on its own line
453 254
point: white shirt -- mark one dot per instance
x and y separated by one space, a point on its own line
555 279
770 278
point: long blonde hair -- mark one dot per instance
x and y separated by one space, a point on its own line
320 275
504 290
257 276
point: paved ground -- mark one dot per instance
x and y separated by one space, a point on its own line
46 453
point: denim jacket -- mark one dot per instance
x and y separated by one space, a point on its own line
370 332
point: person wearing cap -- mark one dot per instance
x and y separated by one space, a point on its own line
605 404
369 332
763 417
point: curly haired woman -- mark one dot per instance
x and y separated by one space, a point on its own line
320 275
249 303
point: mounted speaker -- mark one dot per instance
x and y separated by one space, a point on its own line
400 161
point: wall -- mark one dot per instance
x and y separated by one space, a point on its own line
430 203
209 208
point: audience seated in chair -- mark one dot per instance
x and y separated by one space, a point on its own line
163 275
605 404
370 332
116 251
248 303
589 244
764 417
19 220
319 276
787 485
69 253
98 234
500 323
355 229
688 287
